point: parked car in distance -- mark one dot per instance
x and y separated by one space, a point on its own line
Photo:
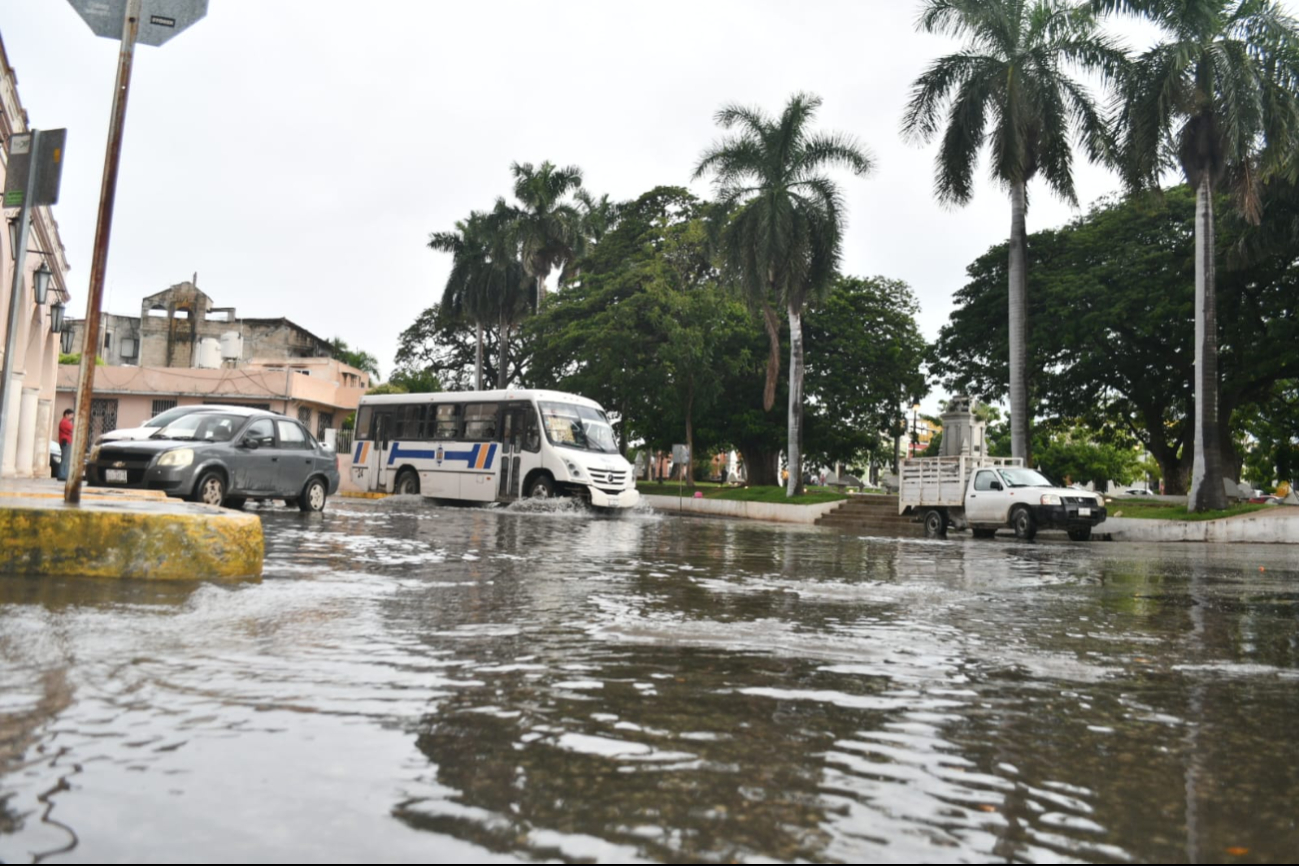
1136 491
56 457
223 457
1265 499
162 419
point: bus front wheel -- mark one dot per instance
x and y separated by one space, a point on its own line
407 483
541 487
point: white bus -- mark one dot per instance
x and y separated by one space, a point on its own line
490 446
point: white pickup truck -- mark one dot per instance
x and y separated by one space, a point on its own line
988 493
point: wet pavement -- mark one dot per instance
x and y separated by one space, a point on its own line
414 683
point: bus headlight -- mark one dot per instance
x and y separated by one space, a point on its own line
574 470
178 458
1051 499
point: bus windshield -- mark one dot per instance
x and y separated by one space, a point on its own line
578 427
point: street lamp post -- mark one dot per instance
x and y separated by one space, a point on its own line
915 432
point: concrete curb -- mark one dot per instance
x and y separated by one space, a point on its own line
1258 527
136 537
771 511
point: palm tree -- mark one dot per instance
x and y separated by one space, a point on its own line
1009 90
1219 99
487 283
548 228
784 221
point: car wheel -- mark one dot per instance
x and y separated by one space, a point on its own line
211 489
1084 534
1025 525
935 524
313 496
407 483
542 487
984 533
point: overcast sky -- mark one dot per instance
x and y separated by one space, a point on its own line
297 153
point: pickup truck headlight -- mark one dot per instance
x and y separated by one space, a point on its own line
1051 499
179 457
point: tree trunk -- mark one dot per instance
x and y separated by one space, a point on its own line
1206 470
772 324
541 292
502 375
478 359
1019 426
760 465
795 461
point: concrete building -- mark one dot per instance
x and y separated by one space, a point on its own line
182 327
34 367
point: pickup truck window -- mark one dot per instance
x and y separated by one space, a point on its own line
1021 477
983 480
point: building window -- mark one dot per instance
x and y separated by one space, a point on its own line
160 406
324 421
304 415
128 347
158 311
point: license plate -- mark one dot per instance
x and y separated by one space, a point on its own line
1084 512
115 476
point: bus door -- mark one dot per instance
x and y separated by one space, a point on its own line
521 444
368 454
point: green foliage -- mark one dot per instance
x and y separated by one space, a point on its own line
387 388
416 382
762 493
1111 326
74 358
440 345
1073 459
1272 428
361 360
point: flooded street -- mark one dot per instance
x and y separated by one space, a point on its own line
415 683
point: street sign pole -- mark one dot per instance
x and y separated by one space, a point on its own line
94 296
15 294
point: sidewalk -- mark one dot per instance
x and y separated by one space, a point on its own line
123 534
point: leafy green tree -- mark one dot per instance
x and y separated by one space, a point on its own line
782 235
1113 327
550 229
1219 98
863 346
1009 90
416 382
1272 428
1072 457
361 360
442 346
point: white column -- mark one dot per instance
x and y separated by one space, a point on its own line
26 432
11 442
44 427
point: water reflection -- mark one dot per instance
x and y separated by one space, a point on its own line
529 683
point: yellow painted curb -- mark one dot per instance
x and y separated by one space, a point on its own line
140 539
351 494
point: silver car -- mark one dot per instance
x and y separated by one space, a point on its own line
223 458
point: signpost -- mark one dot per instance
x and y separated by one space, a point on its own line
151 22
35 167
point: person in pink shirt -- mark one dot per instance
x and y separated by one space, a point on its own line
65 444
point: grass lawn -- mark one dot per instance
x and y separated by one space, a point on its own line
814 496
1164 511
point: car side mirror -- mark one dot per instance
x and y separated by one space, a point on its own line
251 443
996 485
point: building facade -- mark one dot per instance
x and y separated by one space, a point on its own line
34 367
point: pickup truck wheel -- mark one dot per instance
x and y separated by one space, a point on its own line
935 524
1084 534
1025 525
984 533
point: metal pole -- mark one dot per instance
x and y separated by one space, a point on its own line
99 263
15 295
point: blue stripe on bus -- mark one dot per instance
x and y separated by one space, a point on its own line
470 457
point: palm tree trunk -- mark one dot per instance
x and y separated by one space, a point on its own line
795 402
1019 441
772 325
503 373
690 442
478 359
541 291
1206 468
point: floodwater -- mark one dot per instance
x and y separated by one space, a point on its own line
416 683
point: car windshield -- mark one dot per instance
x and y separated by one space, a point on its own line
1016 476
201 427
162 419
578 427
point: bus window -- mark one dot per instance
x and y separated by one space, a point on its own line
362 425
447 423
480 421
